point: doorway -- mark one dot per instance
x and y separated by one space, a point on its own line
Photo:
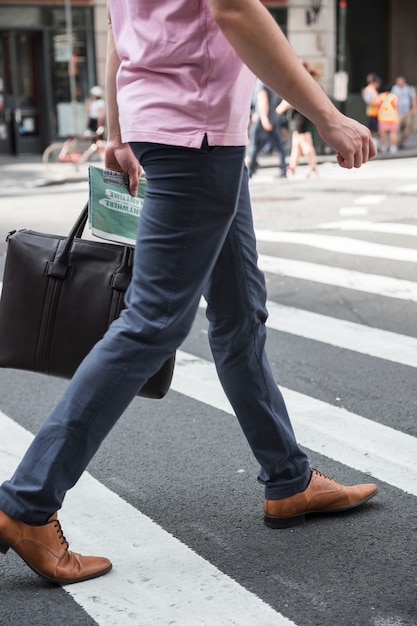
20 118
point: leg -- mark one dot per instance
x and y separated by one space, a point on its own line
189 205
257 138
307 148
237 337
295 150
393 139
372 122
404 128
278 145
382 140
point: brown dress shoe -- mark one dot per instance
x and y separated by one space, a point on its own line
323 495
45 550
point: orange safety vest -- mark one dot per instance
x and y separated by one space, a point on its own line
387 107
371 100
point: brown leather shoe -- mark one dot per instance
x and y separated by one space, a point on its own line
323 495
45 550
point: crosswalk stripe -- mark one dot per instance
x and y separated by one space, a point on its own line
156 579
344 245
408 188
358 442
382 344
370 198
353 210
338 277
391 228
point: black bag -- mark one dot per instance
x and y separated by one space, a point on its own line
59 296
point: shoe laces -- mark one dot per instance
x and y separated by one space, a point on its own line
61 534
316 471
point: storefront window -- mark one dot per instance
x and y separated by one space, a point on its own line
69 81
26 85
80 17
15 17
68 64
72 67
47 67
25 59
280 15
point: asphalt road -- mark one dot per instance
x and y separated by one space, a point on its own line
172 495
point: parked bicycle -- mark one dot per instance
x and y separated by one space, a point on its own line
78 149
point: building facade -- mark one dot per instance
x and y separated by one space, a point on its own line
49 59
53 51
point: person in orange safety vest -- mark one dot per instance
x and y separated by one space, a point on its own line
388 120
370 97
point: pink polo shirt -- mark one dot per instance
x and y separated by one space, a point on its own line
179 77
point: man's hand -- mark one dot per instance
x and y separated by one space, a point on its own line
351 140
119 157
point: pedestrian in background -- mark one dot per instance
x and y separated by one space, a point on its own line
96 110
266 128
388 121
180 110
370 95
301 136
407 108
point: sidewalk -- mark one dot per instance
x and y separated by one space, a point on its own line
28 171
409 151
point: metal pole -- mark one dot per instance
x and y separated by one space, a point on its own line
70 44
341 57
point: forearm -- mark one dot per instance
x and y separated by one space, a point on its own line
283 107
263 107
263 47
119 155
112 65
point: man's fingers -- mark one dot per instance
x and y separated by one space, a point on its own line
345 161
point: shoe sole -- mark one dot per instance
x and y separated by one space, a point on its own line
58 581
272 521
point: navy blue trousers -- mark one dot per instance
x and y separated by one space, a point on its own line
258 137
195 237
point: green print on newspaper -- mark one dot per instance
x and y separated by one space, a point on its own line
113 213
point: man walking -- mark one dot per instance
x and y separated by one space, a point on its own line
180 108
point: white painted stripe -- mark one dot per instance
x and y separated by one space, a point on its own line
392 228
338 277
374 342
408 188
345 245
353 210
358 442
370 199
156 580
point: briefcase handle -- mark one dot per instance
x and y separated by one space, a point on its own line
59 267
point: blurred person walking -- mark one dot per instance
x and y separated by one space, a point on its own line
407 108
388 121
301 136
266 128
96 110
370 95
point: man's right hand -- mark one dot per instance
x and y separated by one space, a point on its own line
351 140
120 157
